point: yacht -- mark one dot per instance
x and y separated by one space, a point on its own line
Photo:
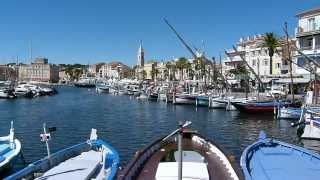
6 93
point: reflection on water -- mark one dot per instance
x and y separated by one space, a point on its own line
129 124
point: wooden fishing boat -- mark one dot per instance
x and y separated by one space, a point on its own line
92 159
186 156
265 107
10 148
276 160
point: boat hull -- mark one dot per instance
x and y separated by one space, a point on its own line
202 101
102 90
218 104
184 99
82 85
267 108
289 113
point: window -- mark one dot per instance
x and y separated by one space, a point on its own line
311 24
266 62
253 62
278 65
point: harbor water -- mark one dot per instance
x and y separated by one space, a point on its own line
129 124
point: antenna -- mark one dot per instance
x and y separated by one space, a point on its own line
45 137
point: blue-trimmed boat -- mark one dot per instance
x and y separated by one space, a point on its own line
10 148
92 159
202 100
269 159
289 113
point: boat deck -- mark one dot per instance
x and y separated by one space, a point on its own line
215 166
280 162
83 166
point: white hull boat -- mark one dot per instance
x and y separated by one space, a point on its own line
92 159
6 94
218 103
10 148
102 89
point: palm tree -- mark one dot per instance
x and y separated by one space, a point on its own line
181 64
271 42
171 70
154 73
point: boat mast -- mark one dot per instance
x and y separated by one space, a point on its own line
195 56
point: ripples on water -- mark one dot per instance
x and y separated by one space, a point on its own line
129 124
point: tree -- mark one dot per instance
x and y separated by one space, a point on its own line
271 42
239 70
154 73
144 74
171 70
181 64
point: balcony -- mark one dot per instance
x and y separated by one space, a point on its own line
308 31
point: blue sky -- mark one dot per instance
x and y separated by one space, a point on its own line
89 31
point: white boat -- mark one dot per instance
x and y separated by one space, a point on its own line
309 124
23 90
10 148
143 96
184 99
86 82
218 103
133 90
91 159
103 88
6 93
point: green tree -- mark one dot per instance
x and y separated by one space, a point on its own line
271 42
154 73
171 70
182 63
